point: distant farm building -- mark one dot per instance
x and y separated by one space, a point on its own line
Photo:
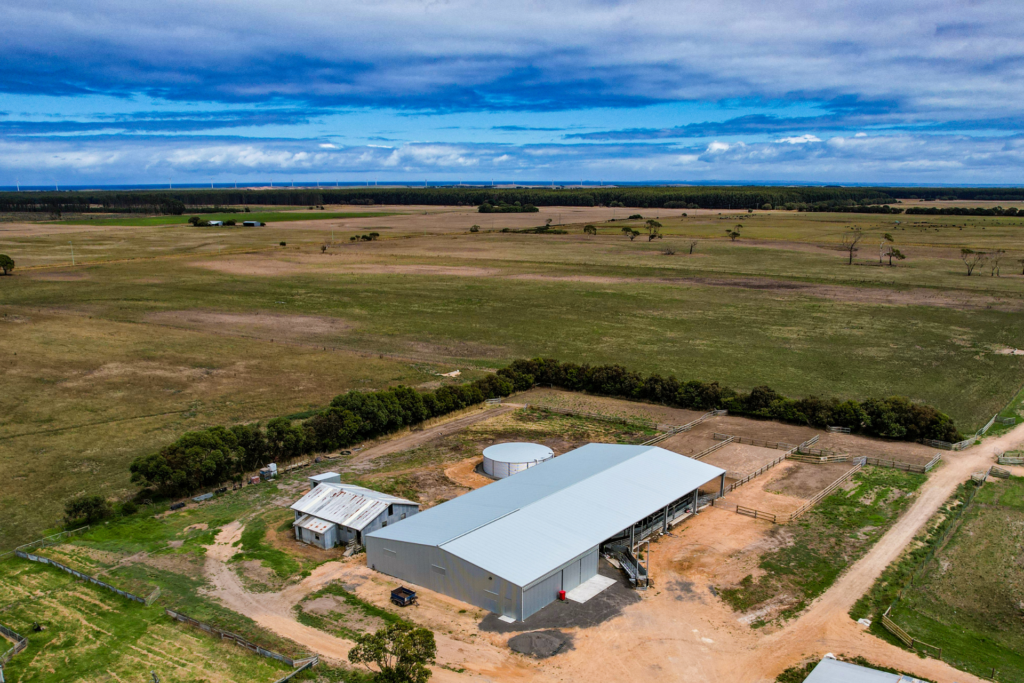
333 513
830 670
511 546
215 223
505 459
252 224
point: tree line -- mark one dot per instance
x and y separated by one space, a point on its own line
217 454
211 456
962 211
894 417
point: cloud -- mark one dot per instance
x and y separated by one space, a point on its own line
800 139
489 55
870 159
160 121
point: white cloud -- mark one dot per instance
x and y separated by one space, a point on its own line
327 145
800 139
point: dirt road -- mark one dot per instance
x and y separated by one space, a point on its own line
827 625
418 438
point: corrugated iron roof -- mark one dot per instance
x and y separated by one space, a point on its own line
523 527
833 671
314 524
350 506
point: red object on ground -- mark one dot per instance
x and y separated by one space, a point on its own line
561 595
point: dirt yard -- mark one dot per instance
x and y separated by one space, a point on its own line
739 460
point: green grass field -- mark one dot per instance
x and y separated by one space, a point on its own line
969 600
94 635
169 327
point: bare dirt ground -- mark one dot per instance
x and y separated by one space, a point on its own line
740 460
364 459
465 474
803 480
274 325
904 451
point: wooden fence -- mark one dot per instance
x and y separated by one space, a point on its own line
247 644
999 472
757 514
777 445
679 429
829 489
905 466
839 430
911 642
711 449
85 577
1006 420
740 482
20 643
935 443
1009 459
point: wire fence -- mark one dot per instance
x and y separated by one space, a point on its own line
243 642
955 518
91 579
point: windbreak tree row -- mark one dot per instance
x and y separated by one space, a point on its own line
217 454
894 417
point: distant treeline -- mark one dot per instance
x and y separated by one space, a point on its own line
895 417
742 197
211 456
962 211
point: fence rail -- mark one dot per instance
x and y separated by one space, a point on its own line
935 443
679 429
1004 459
757 514
1006 420
55 539
905 466
828 489
85 577
740 482
777 445
839 430
20 643
819 457
999 472
712 449
239 640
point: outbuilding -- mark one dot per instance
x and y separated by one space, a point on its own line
505 459
214 224
333 513
252 224
510 547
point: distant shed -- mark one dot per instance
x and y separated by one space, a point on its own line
252 224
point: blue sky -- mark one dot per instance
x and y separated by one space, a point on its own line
121 91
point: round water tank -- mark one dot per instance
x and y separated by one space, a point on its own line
505 459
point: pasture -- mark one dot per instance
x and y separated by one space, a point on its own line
162 328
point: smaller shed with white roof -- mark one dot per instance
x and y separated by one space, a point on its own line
333 513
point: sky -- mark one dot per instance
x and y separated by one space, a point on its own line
96 92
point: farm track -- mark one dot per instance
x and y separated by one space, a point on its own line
826 625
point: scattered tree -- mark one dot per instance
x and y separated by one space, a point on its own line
397 653
766 206
881 246
323 248
971 259
993 262
6 264
1020 261
733 234
547 223
850 241
653 230
86 509
669 251
636 217
894 253
475 228
284 244
589 230
693 243
194 220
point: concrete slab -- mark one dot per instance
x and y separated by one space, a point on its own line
589 588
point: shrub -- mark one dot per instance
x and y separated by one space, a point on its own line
86 510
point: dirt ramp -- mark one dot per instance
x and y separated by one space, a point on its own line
541 644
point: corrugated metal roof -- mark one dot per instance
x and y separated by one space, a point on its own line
834 671
522 527
313 524
350 506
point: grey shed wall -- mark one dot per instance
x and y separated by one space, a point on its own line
570 575
440 571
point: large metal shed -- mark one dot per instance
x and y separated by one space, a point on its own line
511 546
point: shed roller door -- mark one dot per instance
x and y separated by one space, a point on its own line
571 576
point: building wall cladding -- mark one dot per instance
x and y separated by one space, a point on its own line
438 570
340 535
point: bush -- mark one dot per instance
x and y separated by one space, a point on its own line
129 508
86 510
